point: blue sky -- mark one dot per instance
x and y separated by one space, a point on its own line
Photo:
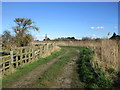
63 19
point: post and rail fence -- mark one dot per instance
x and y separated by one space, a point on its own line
22 55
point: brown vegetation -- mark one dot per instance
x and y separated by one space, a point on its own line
106 52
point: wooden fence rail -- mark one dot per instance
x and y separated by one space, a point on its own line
20 56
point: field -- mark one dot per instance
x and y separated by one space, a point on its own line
71 67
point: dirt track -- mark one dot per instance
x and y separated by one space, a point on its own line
65 79
34 75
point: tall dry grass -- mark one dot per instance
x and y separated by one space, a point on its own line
106 52
106 55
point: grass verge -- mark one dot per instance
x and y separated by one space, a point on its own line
21 71
48 78
93 77
76 83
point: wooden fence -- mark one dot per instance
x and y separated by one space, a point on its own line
20 56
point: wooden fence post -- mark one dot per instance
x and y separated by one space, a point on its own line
53 47
11 56
33 54
21 62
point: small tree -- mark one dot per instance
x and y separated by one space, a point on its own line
22 29
114 34
86 38
6 37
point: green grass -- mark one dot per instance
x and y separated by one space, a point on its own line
93 77
21 71
48 78
76 83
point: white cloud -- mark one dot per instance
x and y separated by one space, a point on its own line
94 36
96 27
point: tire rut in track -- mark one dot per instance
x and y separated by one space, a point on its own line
65 79
32 76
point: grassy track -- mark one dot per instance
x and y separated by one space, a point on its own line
76 83
47 79
21 71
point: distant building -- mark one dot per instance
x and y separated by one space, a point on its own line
46 37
